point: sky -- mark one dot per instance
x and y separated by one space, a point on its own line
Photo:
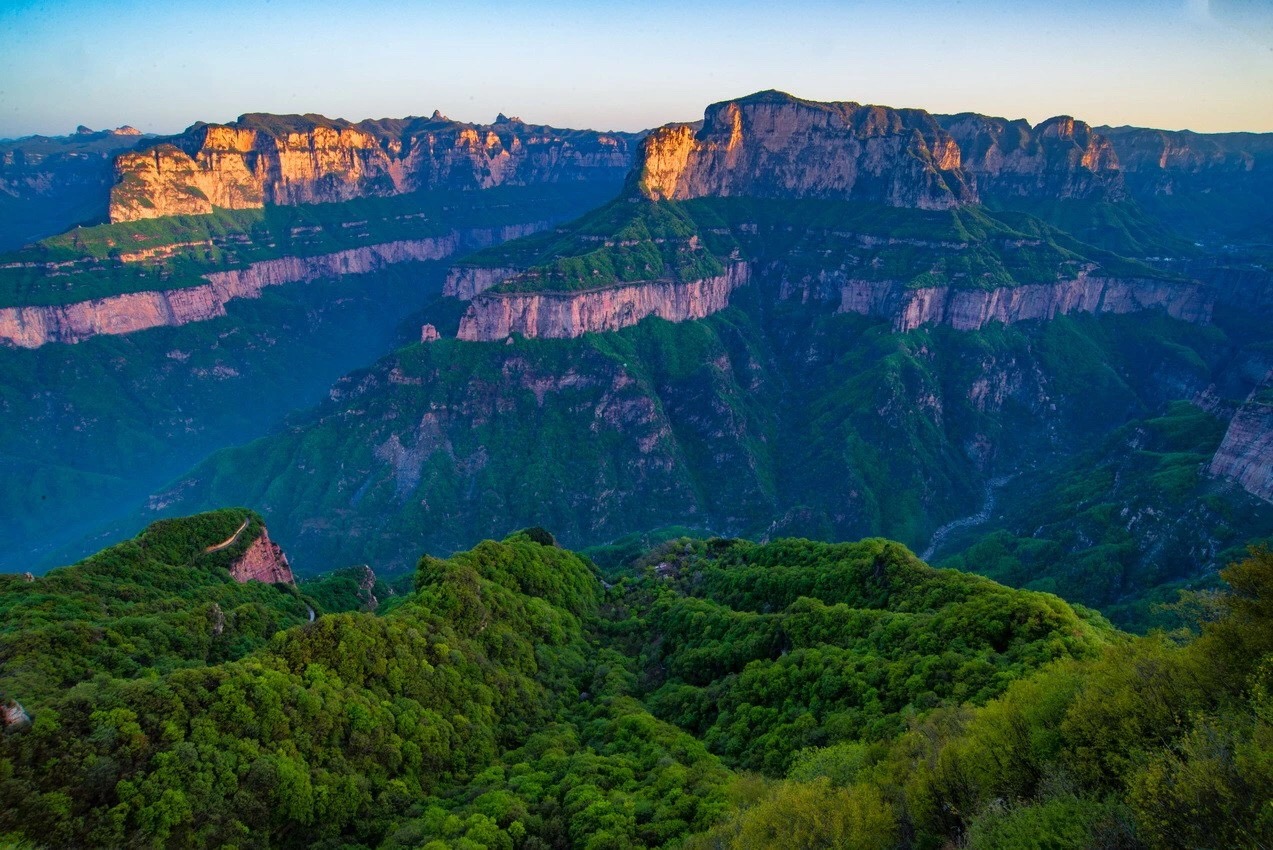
1205 65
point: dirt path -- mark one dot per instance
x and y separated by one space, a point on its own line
940 535
229 541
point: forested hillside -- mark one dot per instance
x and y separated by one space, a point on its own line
704 694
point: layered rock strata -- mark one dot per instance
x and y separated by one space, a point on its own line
31 327
1245 455
1057 159
465 282
772 145
563 315
264 160
972 309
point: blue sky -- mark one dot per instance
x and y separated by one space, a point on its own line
1201 64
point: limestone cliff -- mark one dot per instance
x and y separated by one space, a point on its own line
1059 158
1165 162
31 327
293 159
465 282
563 315
972 309
263 561
1245 455
773 145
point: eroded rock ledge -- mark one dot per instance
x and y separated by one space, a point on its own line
564 315
972 309
32 327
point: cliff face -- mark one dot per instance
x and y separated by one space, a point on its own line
267 159
263 561
1164 162
563 315
774 145
1245 455
31 327
1059 158
465 282
972 309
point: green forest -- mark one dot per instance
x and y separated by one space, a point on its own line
697 694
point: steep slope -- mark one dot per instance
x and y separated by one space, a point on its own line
1246 454
263 160
770 417
198 340
771 144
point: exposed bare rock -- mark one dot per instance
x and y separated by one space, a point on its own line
773 145
263 561
367 589
561 315
13 715
218 619
1245 455
971 309
1059 158
31 327
429 333
464 282
292 159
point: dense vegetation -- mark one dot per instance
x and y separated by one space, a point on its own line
715 694
633 239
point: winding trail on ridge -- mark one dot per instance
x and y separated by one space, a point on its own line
229 541
988 505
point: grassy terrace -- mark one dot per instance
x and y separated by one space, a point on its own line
633 239
89 262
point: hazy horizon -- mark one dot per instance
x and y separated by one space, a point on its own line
1204 65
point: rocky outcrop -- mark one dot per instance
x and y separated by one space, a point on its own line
464 282
972 309
562 315
773 145
31 327
13 715
1059 158
293 159
1166 162
1245 455
263 561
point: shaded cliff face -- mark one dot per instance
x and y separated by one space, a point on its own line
909 308
774 145
565 315
1060 158
51 183
1211 187
285 160
1246 454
